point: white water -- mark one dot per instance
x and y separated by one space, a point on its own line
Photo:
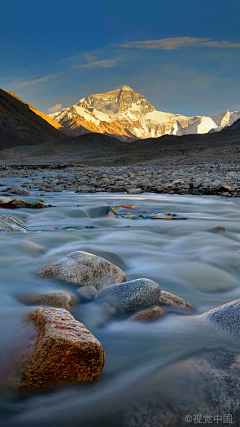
181 256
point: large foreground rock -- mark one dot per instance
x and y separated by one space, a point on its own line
7 223
132 295
206 384
83 268
64 351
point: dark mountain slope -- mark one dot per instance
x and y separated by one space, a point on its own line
20 125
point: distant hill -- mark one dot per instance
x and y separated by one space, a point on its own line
21 124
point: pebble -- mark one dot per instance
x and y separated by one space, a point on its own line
87 292
171 300
17 189
147 314
60 299
217 229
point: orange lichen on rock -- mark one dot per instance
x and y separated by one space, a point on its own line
64 351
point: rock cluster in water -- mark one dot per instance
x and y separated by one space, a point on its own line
64 350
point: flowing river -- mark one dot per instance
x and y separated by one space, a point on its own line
183 256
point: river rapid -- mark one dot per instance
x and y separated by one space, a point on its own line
182 256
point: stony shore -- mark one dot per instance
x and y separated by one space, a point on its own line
209 179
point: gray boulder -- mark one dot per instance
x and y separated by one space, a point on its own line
205 384
132 295
17 189
226 317
8 223
84 269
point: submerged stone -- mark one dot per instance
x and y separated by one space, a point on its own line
171 300
147 314
60 299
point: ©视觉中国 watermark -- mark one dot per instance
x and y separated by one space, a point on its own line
209 419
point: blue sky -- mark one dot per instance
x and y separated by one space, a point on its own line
182 55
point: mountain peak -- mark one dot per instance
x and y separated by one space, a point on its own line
122 111
126 87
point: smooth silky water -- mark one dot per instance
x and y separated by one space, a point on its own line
182 256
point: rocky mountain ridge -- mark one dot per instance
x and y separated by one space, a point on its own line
21 124
128 115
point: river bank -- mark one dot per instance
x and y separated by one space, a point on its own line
221 179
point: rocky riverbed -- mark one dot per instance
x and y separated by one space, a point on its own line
209 179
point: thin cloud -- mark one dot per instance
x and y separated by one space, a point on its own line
55 108
179 42
103 63
90 64
20 85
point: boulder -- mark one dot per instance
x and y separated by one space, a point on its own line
17 189
226 317
63 351
147 314
7 223
60 299
131 295
202 389
171 300
84 269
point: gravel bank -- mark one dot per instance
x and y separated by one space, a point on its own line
221 179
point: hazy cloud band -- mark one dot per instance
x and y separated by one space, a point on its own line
179 42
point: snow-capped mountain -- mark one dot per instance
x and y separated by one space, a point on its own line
126 114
